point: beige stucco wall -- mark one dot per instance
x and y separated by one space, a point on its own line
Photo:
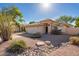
49 29
36 29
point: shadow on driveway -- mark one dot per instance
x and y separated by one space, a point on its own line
56 40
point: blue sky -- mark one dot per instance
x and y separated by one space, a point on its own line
36 12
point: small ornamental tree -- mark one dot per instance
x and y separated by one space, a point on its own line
8 19
5 26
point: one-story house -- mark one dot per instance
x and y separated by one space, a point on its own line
44 26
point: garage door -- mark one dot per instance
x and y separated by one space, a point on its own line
40 29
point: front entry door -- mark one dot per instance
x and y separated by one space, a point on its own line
46 30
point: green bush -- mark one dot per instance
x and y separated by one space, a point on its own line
17 47
74 40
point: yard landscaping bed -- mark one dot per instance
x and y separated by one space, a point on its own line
34 51
38 50
45 50
41 50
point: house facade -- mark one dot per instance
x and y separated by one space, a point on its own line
43 27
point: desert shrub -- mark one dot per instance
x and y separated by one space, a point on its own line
74 40
17 47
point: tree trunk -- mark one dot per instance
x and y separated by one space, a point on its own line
5 34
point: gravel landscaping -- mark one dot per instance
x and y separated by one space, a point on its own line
41 51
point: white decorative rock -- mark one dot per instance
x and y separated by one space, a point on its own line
51 46
0 40
40 43
48 42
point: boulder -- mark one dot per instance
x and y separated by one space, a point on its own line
48 42
50 46
40 43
